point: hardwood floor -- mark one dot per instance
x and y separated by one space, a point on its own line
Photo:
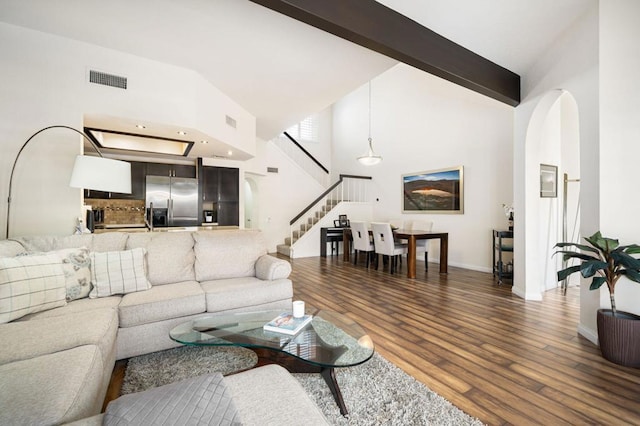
492 354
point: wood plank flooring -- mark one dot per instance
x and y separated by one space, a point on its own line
492 354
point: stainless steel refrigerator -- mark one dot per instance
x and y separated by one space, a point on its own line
179 196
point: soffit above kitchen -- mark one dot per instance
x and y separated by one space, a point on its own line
129 139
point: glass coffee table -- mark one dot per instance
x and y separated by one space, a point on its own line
331 340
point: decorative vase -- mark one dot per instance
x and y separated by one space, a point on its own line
619 337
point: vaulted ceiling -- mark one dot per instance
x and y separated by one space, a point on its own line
279 69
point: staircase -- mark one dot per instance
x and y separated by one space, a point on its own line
312 219
347 188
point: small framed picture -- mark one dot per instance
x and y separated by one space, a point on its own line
344 222
548 181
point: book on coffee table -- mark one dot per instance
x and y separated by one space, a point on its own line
288 324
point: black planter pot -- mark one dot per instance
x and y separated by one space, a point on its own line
619 337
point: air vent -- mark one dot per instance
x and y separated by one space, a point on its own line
231 121
272 170
105 79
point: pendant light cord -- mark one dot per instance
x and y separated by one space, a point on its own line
369 112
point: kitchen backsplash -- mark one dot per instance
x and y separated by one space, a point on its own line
119 212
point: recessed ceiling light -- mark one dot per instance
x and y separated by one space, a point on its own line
140 126
229 152
182 133
204 141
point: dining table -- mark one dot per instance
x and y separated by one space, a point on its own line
411 236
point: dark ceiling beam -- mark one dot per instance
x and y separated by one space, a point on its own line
381 29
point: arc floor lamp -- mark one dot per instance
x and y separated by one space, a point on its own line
96 173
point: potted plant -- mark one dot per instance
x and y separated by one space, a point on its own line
607 261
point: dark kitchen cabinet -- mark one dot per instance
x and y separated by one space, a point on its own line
221 190
138 186
210 180
175 170
138 175
229 185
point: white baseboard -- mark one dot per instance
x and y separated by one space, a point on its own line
588 334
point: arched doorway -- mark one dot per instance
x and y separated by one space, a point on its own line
250 203
552 139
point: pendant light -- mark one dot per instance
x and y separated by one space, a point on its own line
371 158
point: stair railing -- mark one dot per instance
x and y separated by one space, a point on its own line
350 188
302 158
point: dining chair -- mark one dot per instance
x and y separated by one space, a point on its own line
386 245
422 246
361 241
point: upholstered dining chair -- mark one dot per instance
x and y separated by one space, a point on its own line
386 245
361 241
422 246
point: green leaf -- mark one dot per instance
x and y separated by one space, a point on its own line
582 247
631 249
568 271
602 243
589 268
597 282
625 260
632 275
570 254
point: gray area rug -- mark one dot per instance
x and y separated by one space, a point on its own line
376 392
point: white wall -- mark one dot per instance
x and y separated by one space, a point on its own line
570 64
421 122
44 83
620 133
281 195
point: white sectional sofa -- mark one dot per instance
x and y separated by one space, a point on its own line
57 355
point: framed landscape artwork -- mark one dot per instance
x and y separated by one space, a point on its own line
434 191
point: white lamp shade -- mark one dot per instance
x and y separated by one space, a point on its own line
370 160
101 174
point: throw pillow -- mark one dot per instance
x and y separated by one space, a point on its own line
203 400
118 272
30 284
76 264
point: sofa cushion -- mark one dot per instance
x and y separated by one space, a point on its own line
80 305
51 243
227 254
10 248
30 284
118 272
161 303
203 400
109 241
52 389
244 292
170 255
29 339
259 394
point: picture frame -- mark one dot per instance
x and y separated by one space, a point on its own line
434 191
548 181
343 221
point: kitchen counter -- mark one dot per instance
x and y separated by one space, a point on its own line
142 228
